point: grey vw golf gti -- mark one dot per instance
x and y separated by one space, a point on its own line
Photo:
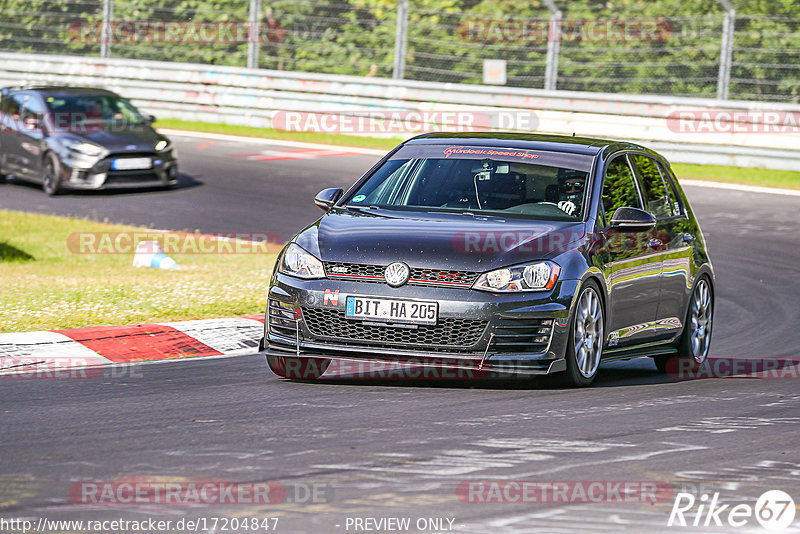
497 251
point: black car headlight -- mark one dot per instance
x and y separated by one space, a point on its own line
297 261
531 277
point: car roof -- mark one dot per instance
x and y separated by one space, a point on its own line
56 90
556 143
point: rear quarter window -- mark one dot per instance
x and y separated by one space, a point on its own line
677 208
619 187
655 192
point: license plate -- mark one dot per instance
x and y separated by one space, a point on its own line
131 164
392 310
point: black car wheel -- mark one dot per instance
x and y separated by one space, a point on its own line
696 338
586 336
297 368
51 175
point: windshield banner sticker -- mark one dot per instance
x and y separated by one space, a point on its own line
577 162
477 151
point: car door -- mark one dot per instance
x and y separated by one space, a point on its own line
631 267
678 234
30 135
10 122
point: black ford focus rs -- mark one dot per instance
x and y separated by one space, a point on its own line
497 251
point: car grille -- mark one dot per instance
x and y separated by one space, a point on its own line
418 276
130 178
522 335
447 334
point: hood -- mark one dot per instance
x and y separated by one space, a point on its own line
116 137
435 240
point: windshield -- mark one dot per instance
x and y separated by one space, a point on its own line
480 180
69 109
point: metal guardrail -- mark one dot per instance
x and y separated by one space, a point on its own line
252 97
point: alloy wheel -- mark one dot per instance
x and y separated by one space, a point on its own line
50 183
700 321
588 334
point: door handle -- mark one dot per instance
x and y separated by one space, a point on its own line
655 243
687 238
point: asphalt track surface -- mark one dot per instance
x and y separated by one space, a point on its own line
394 448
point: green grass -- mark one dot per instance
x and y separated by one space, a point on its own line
47 286
712 173
738 175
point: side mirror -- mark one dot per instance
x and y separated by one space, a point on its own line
632 220
150 119
326 198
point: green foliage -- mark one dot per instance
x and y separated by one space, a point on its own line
675 51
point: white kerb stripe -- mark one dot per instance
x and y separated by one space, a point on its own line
20 352
228 335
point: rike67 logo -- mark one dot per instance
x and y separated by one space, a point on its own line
774 510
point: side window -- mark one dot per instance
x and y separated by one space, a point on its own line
33 113
619 189
34 108
11 106
18 102
10 111
654 190
669 178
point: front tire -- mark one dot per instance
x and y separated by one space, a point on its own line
696 338
51 175
586 337
297 368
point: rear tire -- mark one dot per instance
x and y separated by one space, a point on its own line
51 175
695 341
587 332
297 368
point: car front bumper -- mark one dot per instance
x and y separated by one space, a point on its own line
86 172
519 333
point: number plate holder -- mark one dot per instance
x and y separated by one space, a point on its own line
391 311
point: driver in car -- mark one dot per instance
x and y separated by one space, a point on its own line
571 189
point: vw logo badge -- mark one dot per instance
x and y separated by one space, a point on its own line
396 274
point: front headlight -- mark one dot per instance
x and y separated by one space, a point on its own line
85 148
298 262
532 277
162 145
